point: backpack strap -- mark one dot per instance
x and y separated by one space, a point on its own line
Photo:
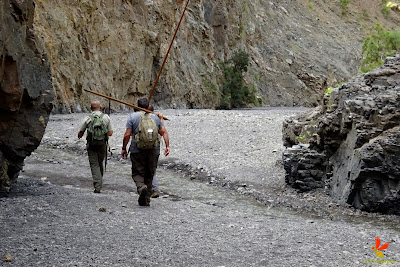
141 113
91 116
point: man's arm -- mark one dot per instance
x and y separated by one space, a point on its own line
164 134
80 134
82 129
125 141
109 127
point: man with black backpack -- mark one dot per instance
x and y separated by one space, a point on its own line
98 127
144 148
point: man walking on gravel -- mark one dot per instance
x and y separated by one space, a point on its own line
99 128
144 151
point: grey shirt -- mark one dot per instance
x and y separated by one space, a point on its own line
133 124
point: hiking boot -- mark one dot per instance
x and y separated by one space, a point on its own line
155 194
96 191
143 196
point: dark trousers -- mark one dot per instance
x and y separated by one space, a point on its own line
144 165
97 155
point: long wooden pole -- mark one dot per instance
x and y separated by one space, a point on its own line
165 58
122 102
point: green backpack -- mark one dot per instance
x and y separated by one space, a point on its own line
146 136
97 132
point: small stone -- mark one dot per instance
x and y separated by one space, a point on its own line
102 209
7 258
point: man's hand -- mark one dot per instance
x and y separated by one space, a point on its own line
124 153
166 151
161 116
127 137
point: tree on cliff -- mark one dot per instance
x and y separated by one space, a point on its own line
234 92
379 45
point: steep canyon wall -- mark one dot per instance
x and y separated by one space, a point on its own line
116 47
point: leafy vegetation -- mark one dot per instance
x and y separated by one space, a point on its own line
305 138
344 6
234 92
328 91
379 45
385 8
393 6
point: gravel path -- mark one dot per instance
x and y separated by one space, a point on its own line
238 149
242 147
53 218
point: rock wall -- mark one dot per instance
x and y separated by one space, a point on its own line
356 133
117 48
25 88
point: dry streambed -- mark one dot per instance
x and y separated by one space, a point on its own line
54 219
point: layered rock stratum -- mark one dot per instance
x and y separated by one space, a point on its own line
351 144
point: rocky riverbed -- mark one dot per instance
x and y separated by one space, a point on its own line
224 203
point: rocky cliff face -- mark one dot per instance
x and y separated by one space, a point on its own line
25 88
117 48
353 142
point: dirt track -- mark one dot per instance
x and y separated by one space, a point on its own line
52 217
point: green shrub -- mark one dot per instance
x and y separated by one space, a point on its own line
328 91
379 45
234 93
344 5
385 9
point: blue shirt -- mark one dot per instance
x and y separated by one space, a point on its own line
133 124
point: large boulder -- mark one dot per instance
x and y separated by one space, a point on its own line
357 133
25 88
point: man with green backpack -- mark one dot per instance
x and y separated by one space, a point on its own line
144 129
98 127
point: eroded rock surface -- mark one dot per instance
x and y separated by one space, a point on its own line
25 88
357 129
117 48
